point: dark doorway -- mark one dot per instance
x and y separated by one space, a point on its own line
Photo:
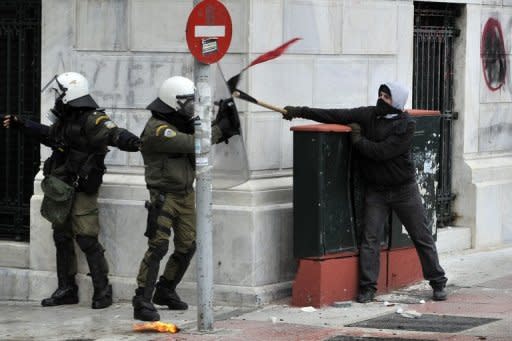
20 72
434 35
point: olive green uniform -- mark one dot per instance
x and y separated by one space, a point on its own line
169 161
79 146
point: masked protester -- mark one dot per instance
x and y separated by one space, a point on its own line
382 135
79 137
169 159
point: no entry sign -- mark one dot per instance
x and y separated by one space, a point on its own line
209 31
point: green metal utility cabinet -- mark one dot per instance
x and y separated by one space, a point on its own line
425 153
322 208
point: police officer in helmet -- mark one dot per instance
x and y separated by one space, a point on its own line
79 137
169 159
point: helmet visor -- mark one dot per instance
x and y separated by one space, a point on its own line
54 89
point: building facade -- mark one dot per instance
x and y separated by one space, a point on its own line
126 48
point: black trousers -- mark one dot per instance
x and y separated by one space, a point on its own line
405 201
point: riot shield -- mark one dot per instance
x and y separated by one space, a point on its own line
230 165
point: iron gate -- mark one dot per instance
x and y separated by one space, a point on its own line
20 72
434 35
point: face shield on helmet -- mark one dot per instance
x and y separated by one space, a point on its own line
175 95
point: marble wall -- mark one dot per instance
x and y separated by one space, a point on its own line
482 148
126 48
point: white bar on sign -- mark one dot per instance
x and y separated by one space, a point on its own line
209 31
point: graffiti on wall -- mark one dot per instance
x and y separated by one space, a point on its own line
495 121
492 53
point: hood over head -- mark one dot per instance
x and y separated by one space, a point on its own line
398 92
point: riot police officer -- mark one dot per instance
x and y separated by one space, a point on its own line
169 159
79 137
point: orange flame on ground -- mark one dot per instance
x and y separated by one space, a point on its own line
156 327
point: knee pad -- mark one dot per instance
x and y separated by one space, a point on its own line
183 258
61 237
89 244
160 250
192 249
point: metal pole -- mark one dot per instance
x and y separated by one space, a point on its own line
203 108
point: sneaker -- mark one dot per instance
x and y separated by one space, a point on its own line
439 294
365 295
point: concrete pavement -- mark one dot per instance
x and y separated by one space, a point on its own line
479 308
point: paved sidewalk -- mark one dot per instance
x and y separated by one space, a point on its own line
479 308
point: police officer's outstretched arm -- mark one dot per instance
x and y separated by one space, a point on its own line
100 130
125 140
37 130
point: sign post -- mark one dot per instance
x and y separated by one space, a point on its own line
208 38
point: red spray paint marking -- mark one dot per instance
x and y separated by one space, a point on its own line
492 53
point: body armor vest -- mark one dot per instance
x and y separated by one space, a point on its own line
75 160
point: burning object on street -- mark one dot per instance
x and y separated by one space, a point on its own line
157 326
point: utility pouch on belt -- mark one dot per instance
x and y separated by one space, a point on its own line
87 168
91 175
153 213
57 201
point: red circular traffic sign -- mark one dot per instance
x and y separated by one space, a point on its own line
209 31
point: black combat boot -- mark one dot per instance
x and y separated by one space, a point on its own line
165 294
143 309
98 267
66 293
67 290
102 298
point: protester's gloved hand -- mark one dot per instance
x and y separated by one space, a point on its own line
291 112
355 135
13 121
227 119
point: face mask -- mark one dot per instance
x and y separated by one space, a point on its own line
383 108
187 108
382 104
60 109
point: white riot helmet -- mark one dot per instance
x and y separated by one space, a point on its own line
175 94
73 89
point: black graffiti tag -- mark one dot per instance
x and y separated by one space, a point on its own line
492 53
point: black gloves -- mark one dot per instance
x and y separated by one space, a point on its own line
227 119
128 142
291 112
13 121
355 135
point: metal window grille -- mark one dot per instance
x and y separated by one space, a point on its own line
20 69
434 35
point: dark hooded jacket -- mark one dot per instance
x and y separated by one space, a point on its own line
385 148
